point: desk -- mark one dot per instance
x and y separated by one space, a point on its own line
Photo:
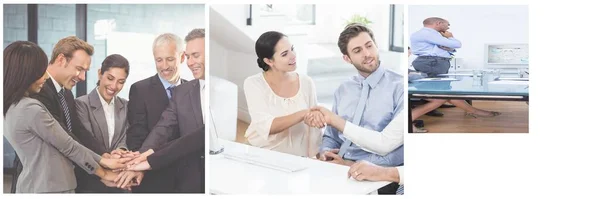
233 177
465 89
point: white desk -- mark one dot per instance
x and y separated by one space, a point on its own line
233 177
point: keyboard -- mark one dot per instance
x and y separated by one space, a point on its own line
281 164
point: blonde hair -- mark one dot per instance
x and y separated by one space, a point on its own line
68 45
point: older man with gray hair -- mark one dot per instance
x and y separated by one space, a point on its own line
148 98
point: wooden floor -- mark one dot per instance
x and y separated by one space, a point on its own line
514 119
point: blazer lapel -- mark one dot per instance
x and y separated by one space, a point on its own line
196 106
120 114
99 117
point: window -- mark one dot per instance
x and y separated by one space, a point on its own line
130 30
397 28
301 14
15 23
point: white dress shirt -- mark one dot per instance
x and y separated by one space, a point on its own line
264 106
202 100
109 114
56 84
380 143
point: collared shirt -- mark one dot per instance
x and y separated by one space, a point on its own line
427 42
109 114
56 84
166 84
202 100
384 102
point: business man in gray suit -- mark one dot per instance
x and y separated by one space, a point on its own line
104 115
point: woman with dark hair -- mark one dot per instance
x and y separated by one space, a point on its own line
104 114
46 151
279 99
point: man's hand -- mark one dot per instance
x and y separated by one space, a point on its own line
446 48
315 119
114 164
364 170
142 166
127 179
138 158
447 34
333 157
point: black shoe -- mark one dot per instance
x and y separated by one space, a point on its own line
435 113
419 123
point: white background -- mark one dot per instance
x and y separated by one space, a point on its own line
475 26
557 159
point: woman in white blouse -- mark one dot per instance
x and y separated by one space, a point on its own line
279 100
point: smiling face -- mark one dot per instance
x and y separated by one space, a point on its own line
284 58
74 69
363 53
194 52
111 82
167 61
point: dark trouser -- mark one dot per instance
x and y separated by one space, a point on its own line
157 181
389 189
432 66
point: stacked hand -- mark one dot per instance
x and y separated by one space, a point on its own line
118 161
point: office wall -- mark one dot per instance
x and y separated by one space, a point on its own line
15 23
475 26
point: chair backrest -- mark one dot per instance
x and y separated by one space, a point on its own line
223 108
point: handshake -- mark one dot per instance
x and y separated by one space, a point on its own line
125 168
319 117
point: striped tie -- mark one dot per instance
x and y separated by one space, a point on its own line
65 108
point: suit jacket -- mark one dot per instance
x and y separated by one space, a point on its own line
184 115
147 100
91 115
45 149
48 96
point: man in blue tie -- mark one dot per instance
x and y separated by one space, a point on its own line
433 45
370 100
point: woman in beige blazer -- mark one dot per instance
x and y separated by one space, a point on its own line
46 151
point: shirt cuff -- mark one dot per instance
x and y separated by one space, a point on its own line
400 174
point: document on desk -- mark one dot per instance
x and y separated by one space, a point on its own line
435 79
285 164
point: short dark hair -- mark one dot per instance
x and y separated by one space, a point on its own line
265 47
114 61
24 63
195 34
352 30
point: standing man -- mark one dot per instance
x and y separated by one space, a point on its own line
433 45
148 98
183 119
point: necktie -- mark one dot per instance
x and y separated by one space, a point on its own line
170 91
65 108
357 115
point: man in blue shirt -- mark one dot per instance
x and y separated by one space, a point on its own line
370 100
433 45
